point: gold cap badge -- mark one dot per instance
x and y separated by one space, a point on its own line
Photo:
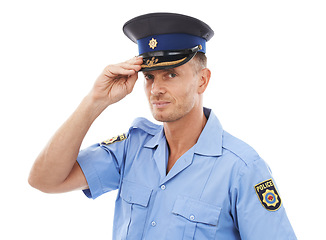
152 43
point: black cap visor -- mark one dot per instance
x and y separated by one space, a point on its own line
167 59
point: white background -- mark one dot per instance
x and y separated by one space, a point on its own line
267 88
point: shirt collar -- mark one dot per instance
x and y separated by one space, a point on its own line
155 140
209 142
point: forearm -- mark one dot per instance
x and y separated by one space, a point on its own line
55 169
57 159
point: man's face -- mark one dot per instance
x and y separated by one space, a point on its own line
172 93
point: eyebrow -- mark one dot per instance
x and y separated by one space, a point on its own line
170 70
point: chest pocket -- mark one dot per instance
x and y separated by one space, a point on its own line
135 203
193 219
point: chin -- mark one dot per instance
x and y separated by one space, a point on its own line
159 117
170 114
165 117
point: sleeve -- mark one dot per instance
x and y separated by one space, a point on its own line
258 206
101 165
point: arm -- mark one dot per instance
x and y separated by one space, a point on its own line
55 169
259 210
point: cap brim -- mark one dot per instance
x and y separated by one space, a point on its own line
167 59
165 62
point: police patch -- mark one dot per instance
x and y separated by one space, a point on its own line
268 195
118 138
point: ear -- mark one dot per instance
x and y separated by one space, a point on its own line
205 76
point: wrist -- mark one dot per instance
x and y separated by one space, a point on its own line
93 107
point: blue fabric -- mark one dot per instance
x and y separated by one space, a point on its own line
208 194
175 41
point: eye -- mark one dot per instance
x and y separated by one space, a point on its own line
172 75
149 77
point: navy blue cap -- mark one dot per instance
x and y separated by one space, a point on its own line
167 40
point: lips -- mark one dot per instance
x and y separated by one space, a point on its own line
160 104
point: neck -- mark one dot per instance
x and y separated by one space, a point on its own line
183 134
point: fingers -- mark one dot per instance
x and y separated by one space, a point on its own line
116 81
135 60
131 83
126 68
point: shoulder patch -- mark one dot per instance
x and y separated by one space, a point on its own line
268 195
118 138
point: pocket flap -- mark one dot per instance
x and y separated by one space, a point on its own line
196 211
135 193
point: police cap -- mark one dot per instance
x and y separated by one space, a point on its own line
167 40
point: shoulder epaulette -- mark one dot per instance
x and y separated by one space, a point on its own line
241 149
146 125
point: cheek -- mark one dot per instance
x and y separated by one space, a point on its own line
147 88
190 96
189 90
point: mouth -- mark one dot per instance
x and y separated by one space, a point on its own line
160 104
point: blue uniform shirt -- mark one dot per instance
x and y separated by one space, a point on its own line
219 189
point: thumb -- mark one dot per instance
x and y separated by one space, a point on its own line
131 82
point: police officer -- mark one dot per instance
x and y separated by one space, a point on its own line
185 179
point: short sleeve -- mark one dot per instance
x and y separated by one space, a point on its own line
259 209
101 165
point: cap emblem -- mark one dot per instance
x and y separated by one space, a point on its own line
151 62
152 43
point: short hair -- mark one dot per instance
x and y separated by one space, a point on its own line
200 61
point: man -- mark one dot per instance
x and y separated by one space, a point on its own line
186 179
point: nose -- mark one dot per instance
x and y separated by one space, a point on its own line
157 87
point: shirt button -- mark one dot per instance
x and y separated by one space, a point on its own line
153 223
163 187
192 217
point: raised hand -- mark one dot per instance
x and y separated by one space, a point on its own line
116 81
